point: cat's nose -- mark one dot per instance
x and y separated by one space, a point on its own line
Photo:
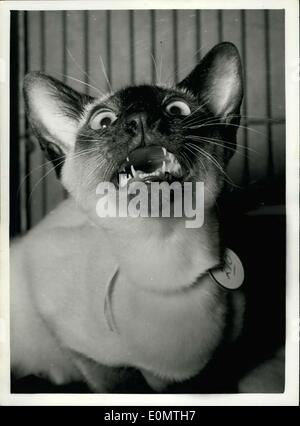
136 124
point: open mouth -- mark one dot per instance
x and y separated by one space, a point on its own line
150 164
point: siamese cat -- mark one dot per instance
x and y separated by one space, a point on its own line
95 299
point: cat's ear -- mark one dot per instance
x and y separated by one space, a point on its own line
217 80
53 110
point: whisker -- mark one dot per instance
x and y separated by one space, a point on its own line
203 165
186 119
194 120
235 125
81 69
190 121
196 138
92 140
105 74
212 160
93 171
79 81
218 142
156 71
256 117
205 171
186 159
39 181
160 62
48 162
234 144
242 116
214 122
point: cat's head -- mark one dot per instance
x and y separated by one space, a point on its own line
180 133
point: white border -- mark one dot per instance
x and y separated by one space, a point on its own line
291 394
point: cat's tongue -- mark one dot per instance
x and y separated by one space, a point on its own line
146 160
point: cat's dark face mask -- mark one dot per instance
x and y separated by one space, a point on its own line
148 133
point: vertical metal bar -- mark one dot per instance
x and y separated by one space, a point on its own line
198 35
27 142
15 217
108 48
43 68
246 169
153 44
21 119
64 60
26 50
64 41
270 166
220 25
131 46
86 50
175 44
43 40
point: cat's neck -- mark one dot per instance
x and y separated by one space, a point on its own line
162 254
156 254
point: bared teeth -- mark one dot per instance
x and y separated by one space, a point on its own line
123 179
133 172
168 170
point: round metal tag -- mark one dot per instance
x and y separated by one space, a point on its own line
232 275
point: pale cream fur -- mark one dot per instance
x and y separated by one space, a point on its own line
60 271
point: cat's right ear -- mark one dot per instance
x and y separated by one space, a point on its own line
217 80
53 110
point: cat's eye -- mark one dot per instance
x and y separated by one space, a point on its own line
178 108
102 119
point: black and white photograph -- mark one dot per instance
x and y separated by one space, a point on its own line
151 202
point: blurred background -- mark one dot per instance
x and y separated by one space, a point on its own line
92 50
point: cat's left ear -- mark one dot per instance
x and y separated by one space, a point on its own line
217 80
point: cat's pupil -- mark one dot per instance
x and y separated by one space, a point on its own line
175 110
105 122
